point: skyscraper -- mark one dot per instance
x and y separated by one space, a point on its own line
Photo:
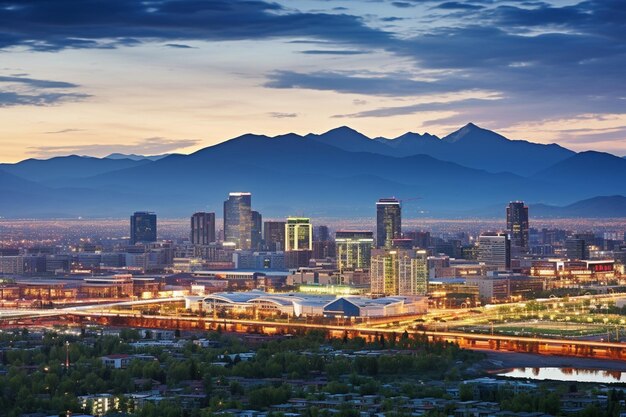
388 222
143 227
321 234
257 230
354 249
238 220
576 248
494 249
399 272
274 235
517 225
202 228
298 234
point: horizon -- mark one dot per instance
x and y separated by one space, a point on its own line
179 76
439 137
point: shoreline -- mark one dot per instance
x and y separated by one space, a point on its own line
496 361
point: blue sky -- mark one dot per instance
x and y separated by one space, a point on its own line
101 76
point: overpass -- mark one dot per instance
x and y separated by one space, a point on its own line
537 345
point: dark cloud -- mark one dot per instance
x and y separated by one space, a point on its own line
24 91
59 24
402 4
455 5
32 82
179 46
332 52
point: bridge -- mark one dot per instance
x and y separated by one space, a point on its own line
108 315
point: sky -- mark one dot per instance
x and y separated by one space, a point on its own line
92 77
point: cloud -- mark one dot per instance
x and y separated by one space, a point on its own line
178 46
24 91
147 146
332 52
56 132
52 26
279 115
455 5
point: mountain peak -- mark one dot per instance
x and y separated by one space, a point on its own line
472 132
343 130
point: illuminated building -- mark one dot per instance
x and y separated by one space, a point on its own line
495 250
517 225
274 235
399 272
143 227
388 222
298 234
257 230
354 249
491 288
202 228
238 220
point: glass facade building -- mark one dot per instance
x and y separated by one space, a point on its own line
388 222
238 220
143 227
202 228
517 225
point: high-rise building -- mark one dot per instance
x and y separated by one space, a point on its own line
298 234
238 220
354 249
420 239
399 272
321 234
143 227
388 222
494 249
576 248
274 235
517 225
202 228
257 230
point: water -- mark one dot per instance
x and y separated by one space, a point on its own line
567 374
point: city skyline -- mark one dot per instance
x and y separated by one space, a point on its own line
176 76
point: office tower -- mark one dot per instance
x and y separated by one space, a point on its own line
321 234
354 249
143 227
298 234
399 272
388 222
517 225
420 239
202 228
257 230
274 235
238 220
576 248
494 249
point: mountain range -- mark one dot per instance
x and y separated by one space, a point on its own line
340 173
